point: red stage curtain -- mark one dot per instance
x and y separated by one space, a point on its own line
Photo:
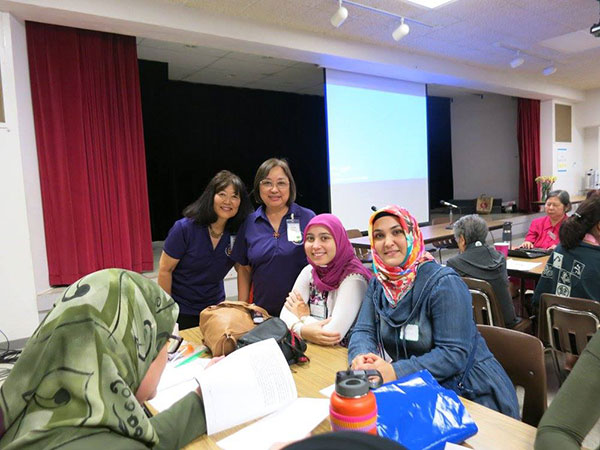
528 135
88 125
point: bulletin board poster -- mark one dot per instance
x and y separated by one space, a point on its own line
561 159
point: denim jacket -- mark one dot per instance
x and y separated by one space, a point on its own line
432 328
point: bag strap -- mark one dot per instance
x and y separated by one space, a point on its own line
469 366
295 340
247 306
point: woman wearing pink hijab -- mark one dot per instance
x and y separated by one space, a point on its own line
328 293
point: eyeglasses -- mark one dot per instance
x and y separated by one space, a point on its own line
281 185
173 344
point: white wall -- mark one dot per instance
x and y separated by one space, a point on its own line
587 118
485 152
591 148
23 267
574 152
588 112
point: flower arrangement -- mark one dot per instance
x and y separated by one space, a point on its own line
546 183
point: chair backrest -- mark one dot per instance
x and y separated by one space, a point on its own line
522 357
362 253
568 323
353 233
486 308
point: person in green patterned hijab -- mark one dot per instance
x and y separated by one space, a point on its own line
82 375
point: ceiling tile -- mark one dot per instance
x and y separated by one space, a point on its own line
466 31
209 76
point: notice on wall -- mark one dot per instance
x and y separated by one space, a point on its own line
561 159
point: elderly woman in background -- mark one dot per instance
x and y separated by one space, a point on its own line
479 260
573 269
269 243
543 231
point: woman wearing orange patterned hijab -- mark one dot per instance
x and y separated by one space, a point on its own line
417 315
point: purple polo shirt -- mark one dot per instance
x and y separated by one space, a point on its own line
275 261
198 277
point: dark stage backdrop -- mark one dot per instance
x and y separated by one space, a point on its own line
193 130
439 143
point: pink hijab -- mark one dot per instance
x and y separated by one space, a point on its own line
328 278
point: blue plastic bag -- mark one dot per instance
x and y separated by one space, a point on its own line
420 414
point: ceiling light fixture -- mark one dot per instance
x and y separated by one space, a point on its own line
340 16
517 61
549 70
401 31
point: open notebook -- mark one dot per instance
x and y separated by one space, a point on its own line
251 382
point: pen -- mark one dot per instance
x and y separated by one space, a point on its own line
191 358
185 350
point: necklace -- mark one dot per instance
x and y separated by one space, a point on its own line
213 234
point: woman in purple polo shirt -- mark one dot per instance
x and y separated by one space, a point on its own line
269 243
195 256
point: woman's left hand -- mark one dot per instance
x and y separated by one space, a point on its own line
385 368
295 304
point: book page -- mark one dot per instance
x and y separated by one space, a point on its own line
249 383
293 422
523 266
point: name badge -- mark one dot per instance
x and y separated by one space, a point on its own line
294 233
318 310
410 332
552 235
231 243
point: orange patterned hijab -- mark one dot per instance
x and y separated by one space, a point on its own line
397 281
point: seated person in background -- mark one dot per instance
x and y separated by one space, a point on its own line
84 374
327 294
573 270
543 231
576 407
481 261
418 315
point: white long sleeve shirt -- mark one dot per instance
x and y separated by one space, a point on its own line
343 303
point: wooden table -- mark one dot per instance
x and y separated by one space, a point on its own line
533 274
431 233
496 431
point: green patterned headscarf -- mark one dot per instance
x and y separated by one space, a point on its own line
84 363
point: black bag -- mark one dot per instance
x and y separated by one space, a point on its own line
292 346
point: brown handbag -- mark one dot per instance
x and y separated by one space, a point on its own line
221 325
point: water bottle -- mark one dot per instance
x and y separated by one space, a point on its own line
507 233
353 406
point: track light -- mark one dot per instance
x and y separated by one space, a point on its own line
340 16
549 70
517 61
401 31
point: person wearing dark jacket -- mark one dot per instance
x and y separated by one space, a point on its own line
479 260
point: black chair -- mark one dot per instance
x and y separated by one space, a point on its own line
567 324
486 307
